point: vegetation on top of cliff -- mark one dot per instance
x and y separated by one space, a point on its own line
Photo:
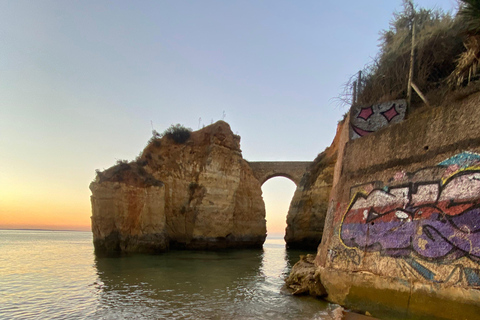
467 62
447 51
470 14
131 173
437 45
178 133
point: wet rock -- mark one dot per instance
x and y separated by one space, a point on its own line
303 279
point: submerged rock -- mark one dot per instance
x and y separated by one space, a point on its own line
198 194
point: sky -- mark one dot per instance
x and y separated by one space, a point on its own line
83 83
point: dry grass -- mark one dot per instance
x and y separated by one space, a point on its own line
438 44
130 173
467 63
436 50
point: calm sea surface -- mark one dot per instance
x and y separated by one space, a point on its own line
55 275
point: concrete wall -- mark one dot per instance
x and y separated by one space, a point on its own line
402 233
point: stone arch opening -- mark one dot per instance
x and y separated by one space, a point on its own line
293 170
277 193
282 175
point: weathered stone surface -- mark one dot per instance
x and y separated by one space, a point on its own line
293 170
127 218
306 216
394 298
210 198
401 230
303 280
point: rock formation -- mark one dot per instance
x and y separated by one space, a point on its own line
401 233
200 194
128 211
309 205
303 280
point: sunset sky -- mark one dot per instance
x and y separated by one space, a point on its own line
82 83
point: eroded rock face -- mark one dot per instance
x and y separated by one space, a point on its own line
303 278
208 196
128 213
308 209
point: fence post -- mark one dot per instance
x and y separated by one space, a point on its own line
412 61
359 82
354 100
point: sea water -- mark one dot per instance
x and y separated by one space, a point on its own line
56 275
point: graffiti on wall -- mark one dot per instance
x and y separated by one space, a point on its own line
365 120
347 254
435 220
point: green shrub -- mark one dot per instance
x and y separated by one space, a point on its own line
177 133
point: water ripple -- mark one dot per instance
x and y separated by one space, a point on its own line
55 275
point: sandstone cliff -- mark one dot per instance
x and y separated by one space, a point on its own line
309 205
200 194
127 210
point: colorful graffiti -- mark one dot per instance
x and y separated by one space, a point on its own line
432 220
365 120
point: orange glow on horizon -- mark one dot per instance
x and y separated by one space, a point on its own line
33 207
12 219
277 195
44 214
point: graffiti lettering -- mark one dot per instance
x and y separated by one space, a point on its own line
349 255
436 221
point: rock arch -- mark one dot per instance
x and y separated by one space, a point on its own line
293 170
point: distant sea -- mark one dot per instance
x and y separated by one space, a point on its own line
56 275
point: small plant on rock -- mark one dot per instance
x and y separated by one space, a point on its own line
177 133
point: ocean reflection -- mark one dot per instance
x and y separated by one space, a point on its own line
183 284
55 275
236 284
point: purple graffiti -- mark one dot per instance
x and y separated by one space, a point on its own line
436 221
